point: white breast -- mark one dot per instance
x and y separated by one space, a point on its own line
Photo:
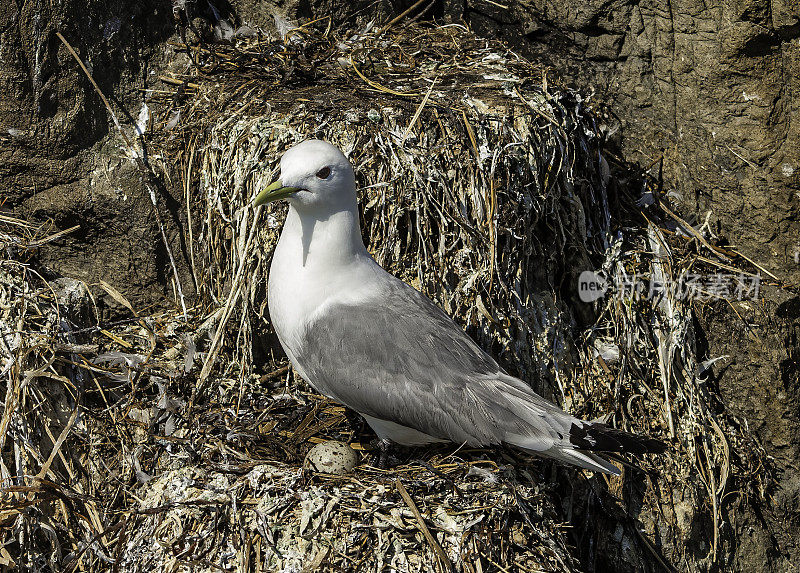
307 275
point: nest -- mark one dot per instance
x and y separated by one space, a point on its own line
175 440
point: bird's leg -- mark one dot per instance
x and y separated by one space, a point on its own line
383 445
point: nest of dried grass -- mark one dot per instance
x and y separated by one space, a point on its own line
175 440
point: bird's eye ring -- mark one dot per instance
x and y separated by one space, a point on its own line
324 172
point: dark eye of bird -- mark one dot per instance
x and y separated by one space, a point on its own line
324 172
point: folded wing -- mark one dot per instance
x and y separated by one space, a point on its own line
399 357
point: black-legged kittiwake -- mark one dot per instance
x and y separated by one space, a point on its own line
370 341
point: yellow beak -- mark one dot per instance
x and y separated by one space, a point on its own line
274 192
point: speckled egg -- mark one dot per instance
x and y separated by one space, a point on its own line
331 457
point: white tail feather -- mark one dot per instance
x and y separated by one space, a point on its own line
566 454
585 460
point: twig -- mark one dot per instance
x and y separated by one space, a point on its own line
58 443
400 16
694 232
417 113
53 237
177 82
136 158
378 86
441 556
188 198
230 304
471 134
98 90
756 265
274 373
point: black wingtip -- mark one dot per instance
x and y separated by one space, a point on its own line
598 437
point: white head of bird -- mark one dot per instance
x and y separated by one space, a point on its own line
322 225
316 179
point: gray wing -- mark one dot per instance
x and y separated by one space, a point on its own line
401 358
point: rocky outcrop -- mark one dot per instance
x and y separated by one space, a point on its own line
61 161
703 94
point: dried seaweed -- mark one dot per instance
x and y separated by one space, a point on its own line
175 441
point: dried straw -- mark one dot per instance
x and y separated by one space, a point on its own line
156 442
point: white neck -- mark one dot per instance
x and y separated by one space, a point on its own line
315 260
310 241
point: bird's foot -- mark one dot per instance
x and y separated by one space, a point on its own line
381 458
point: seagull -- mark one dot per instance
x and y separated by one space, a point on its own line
368 340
